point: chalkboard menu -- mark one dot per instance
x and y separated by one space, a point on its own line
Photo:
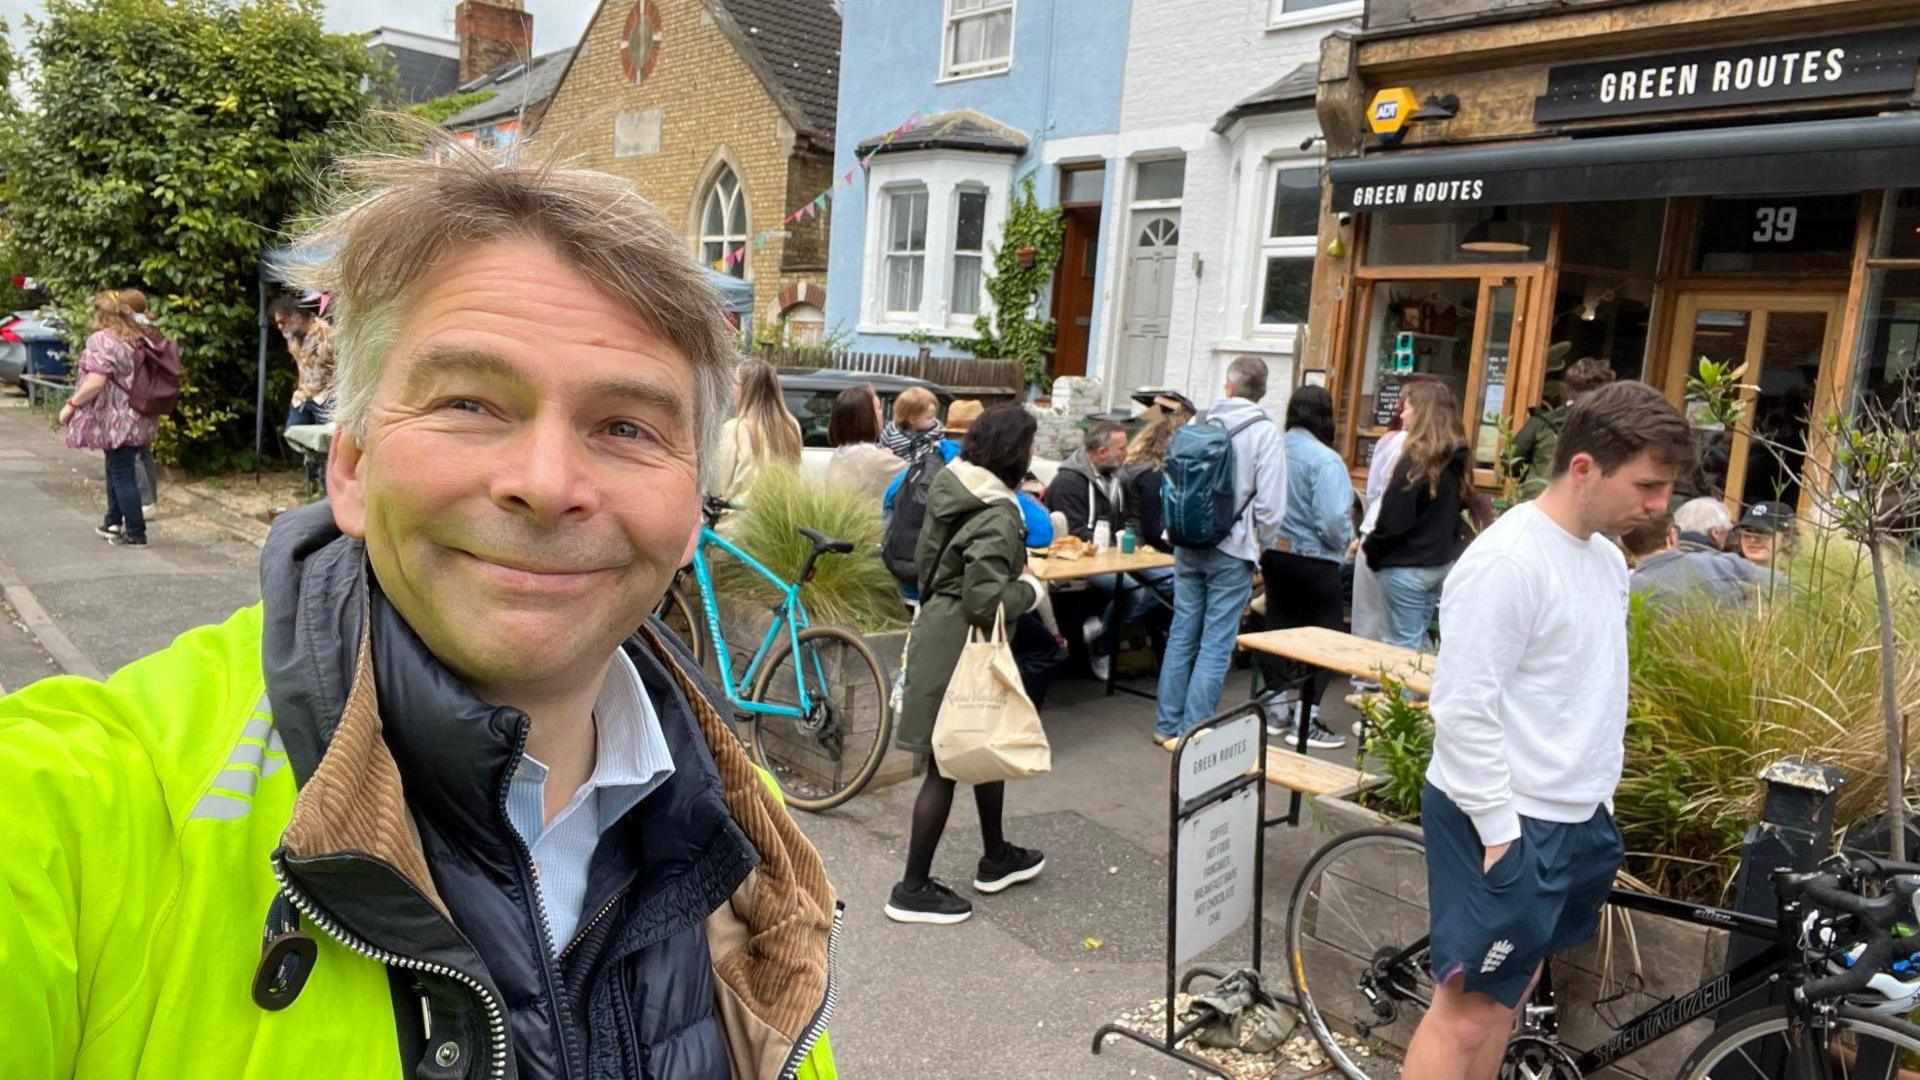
1386 400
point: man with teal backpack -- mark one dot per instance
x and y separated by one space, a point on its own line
1223 499
433 808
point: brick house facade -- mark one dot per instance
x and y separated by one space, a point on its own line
721 112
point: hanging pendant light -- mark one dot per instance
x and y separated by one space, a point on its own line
1498 235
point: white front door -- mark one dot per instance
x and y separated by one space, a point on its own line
1150 265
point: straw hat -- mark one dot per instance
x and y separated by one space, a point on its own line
962 413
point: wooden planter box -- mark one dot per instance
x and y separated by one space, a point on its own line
745 624
1675 957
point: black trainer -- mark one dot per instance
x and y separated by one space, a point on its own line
123 540
932 903
1319 737
106 532
1015 865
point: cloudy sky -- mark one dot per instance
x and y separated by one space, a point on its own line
556 23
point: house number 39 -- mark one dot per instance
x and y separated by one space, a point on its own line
1775 224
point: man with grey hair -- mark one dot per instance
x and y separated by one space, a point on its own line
1212 584
434 807
1703 523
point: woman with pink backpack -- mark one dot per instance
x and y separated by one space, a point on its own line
101 414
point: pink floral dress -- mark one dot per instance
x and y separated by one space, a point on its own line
108 422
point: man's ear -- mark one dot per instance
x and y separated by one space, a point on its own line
346 490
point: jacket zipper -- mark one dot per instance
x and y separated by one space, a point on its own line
548 954
497 1044
818 1026
587 927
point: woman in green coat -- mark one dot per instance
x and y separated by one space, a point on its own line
972 559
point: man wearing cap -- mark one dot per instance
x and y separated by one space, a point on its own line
1766 533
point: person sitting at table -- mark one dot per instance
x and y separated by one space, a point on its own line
1302 570
1087 492
1666 571
1704 524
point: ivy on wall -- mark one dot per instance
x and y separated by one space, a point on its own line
1016 330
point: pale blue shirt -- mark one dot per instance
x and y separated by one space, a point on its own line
631 759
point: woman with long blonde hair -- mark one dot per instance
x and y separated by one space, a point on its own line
1416 536
1144 469
761 432
100 414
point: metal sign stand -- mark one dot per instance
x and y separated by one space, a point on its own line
1217 765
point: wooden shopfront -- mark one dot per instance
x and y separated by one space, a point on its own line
1653 210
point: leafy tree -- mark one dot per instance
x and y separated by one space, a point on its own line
163 148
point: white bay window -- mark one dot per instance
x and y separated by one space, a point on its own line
932 219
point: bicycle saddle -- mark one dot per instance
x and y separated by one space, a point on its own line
824 543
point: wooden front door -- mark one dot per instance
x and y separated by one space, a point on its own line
1787 343
1073 291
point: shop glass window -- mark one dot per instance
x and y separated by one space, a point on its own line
1160 179
1603 304
1459 234
906 250
1416 328
969 247
1899 235
1890 339
979 37
1787 234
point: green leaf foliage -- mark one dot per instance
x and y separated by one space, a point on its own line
1016 330
165 149
440 108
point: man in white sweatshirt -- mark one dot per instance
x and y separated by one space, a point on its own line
1529 711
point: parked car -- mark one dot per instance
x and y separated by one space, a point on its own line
810 394
32 343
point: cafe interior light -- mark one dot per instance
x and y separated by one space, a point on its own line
1498 235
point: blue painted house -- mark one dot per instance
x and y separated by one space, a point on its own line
1003 90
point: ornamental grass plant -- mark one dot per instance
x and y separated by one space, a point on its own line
1717 694
854 590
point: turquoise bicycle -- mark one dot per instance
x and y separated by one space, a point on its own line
817 710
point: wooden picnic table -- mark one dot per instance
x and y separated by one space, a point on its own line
1346 654
1110 561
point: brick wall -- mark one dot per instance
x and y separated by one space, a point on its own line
491 33
712 109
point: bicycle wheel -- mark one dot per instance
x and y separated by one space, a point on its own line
683 619
824 758
1360 902
1858 1046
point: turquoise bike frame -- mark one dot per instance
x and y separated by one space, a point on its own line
790 616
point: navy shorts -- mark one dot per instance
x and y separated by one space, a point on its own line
1492 927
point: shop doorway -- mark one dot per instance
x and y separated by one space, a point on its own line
1787 344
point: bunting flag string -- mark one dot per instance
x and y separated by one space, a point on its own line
813 207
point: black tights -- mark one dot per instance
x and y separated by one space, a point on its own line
930 812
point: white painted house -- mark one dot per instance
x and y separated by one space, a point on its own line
1214 204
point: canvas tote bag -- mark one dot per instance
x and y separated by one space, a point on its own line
987 729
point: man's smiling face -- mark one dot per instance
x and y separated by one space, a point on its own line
527 482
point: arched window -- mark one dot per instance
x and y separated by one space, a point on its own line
723 223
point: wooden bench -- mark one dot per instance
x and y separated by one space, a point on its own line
1311 776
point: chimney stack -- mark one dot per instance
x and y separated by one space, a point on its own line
491 33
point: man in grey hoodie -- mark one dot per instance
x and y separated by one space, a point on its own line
1212 585
1087 492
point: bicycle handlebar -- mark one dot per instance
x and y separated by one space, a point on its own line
1877 914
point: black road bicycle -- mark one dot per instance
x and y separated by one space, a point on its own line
1837 957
